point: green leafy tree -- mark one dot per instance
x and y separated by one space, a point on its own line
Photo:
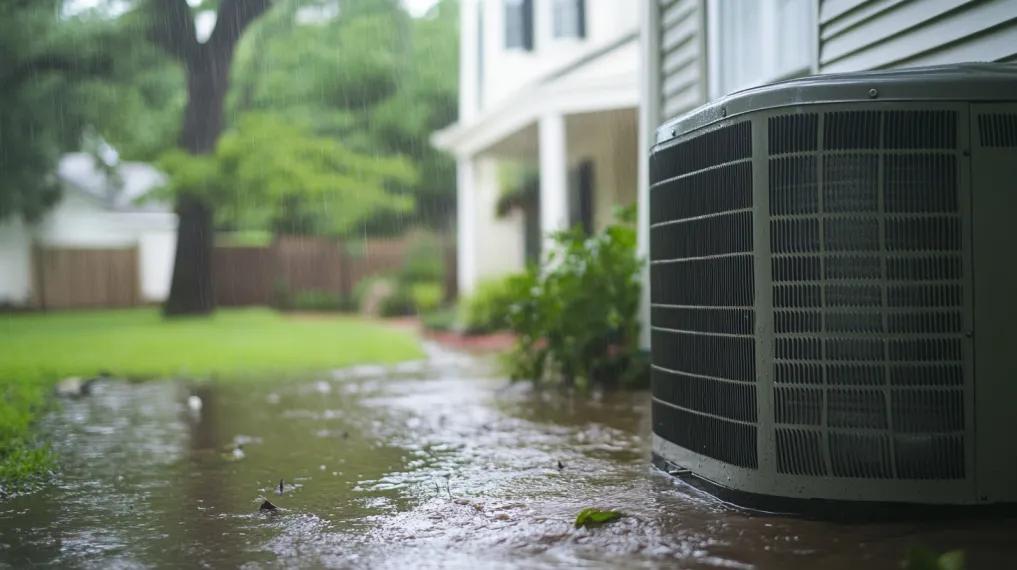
266 172
368 74
59 75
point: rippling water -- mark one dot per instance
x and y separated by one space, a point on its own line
434 463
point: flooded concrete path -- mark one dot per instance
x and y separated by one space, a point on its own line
429 464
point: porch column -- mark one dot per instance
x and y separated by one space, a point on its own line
554 204
466 218
649 117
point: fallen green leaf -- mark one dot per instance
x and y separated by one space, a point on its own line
592 516
925 559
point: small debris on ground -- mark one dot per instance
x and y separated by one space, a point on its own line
74 387
592 517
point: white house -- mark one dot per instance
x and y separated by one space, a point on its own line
574 90
100 245
548 87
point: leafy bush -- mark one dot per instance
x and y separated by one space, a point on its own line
426 295
576 319
487 308
397 304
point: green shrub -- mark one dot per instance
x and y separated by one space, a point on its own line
576 319
426 295
424 261
398 303
487 308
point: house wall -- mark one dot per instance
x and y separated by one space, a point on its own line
615 158
156 251
15 263
679 54
871 34
502 72
497 247
77 221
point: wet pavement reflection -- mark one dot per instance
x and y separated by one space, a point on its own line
428 464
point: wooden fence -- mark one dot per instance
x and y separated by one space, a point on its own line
243 275
291 264
71 278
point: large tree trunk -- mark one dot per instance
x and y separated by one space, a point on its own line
192 291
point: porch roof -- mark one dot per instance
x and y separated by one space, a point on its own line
605 78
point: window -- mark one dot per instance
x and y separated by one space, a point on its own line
581 189
751 43
519 24
569 18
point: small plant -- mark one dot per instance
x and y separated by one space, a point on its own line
593 517
576 319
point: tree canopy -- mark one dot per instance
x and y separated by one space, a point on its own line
366 74
359 81
60 74
270 173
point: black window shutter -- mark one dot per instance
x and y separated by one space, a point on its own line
527 21
580 18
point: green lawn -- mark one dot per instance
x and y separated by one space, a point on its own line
36 350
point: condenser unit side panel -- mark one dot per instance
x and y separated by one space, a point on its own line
703 372
994 207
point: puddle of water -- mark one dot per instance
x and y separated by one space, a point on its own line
436 463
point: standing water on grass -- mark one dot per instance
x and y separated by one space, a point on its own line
434 463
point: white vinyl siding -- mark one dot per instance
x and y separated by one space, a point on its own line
682 77
872 34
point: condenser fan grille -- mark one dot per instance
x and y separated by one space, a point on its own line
868 294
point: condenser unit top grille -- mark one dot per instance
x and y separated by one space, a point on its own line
960 82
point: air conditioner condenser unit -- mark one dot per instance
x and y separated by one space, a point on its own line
833 285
